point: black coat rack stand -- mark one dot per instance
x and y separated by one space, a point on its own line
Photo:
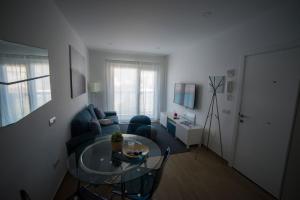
210 113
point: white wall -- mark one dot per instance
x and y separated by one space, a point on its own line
29 148
97 72
274 29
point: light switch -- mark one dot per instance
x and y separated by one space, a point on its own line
52 121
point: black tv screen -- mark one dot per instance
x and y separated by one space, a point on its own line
189 95
184 94
179 93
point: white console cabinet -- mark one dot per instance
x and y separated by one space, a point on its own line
188 134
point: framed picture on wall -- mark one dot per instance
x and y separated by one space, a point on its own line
77 73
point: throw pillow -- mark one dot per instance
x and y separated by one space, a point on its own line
91 110
106 122
95 127
99 113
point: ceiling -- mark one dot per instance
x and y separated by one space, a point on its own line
155 26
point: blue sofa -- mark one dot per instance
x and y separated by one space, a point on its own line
85 126
86 121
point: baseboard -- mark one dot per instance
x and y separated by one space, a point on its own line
271 195
214 153
60 183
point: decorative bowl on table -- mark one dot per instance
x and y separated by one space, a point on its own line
134 149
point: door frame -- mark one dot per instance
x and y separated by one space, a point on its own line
283 187
240 93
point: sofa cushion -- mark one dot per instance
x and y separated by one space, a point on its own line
94 127
107 130
106 122
80 123
99 113
110 113
91 110
114 118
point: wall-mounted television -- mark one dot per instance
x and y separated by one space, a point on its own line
189 95
184 94
179 93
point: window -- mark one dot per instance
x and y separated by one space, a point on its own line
132 89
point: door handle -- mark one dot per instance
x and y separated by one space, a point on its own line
241 121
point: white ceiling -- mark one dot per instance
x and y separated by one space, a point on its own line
155 26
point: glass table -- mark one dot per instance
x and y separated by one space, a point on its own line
97 164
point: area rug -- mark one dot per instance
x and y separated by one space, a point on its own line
164 139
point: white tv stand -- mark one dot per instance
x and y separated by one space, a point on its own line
188 134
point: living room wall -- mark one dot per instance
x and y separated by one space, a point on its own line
30 148
276 28
97 72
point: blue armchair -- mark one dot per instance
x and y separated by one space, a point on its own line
137 122
141 125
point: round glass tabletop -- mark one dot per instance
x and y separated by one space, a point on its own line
96 163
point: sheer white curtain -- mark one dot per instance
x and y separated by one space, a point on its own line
39 89
132 88
149 90
13 98
122 91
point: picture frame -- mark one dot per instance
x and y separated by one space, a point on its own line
77 73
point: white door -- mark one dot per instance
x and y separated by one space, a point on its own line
270 91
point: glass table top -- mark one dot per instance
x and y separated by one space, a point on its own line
96 163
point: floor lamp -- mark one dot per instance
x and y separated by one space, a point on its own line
216 84
94 88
